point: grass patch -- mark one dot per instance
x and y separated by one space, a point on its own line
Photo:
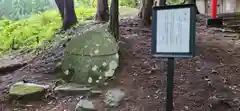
31 32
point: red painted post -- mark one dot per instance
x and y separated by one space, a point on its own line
214 9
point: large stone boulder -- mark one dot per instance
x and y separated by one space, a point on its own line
90 57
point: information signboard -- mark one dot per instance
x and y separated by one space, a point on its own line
173 31
173 36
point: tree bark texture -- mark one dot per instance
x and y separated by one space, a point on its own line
147 11
162 2
114 19
67 12
102 13
114 29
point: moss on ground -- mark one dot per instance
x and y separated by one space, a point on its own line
22 89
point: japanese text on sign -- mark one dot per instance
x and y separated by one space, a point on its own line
173 30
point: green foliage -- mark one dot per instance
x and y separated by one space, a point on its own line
176 2
31 32
27 23
128 3
17 9
86 3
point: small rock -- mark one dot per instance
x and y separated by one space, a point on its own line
7 64
85 105
21 89
72 89
113 97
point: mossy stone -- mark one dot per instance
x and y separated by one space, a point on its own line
91 57
27 91
94 42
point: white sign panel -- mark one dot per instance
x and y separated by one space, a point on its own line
173 31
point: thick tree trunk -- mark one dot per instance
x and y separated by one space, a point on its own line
114 28
70 17
147 11
102 13
60 5
67 12
162 2
114 19
155 3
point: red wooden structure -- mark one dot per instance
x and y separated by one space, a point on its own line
214 21
214 9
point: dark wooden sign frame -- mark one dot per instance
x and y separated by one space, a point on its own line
192 31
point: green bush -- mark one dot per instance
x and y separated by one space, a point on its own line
175 2
17 9
29 22
86 3
27 32
129 3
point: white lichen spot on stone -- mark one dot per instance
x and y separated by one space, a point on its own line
89 80
117 56
89 60
91 54
85 46
66 72
100 77
113 65
109 40
94 68
109 73
104 64
97 81
96 51
97 45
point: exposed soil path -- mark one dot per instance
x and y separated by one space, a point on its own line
213 73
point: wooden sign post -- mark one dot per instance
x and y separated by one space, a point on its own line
173 36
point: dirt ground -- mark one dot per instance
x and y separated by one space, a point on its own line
211 79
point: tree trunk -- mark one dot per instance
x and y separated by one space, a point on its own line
60 5
162 2
67 12
141 9
102 13
114 28
147 11
114 19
